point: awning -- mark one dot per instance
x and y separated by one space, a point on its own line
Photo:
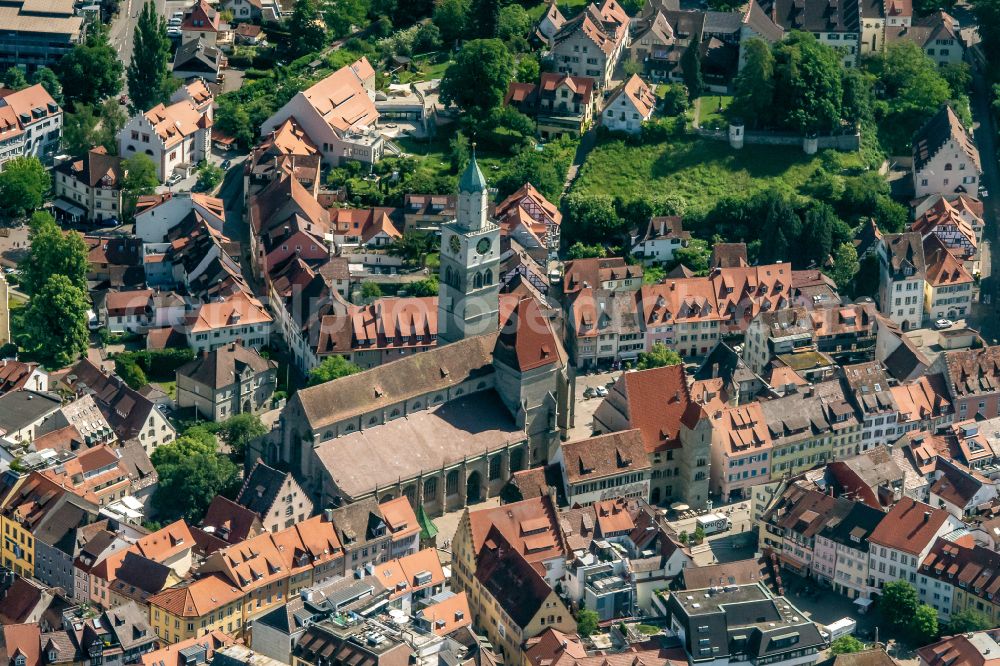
679 506
861 602
69 208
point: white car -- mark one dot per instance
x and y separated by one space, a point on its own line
179 15
174 179
173 32
601 391
941 324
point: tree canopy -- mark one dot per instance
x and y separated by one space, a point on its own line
587 622
23 185
149 78
56 321
754 86
191 473
332 367
91 71
477 81
898 602
307 27
238 431
658 357
53 252
807 86
968 621
846 645
14 79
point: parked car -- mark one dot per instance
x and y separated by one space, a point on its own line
173 32
589 392
941 324
601 391
174 179
226 164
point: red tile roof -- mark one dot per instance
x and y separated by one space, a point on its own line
910 526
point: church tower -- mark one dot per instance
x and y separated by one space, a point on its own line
469 294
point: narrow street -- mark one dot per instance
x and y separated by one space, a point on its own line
985 316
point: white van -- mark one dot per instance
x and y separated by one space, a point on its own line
712 523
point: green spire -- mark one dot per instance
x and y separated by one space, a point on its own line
472 180
428 530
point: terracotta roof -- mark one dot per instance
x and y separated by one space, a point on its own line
408 574
515 585
606 26
529 201
531 527
447 615
15 374
973 371
638 94
943 268
173 123
955 485
95 168
604 455
743 429
527 341
593 272
552 647
201 597
23 640
910 526
172 655
666 226
239 309
655 401
230 521
341 99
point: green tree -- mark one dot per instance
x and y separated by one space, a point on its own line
484 18
816 240
92 70
140 180
370 291
450 16
344 16
56 322
845 265
691 68
477 81
858 105
79 130
846 645
148 74
412 247
587 622
426 287
130 372
537 168
209 176
514 21
923 626
898 603
238 431
959 77
968 621
674 100
427 39
912 90
699 534
580 251
191 474
695 256
14 79
754 87
658 357
808 89
232 118
332 367
593 219
307 27
23 185
890 215
53 252
528 69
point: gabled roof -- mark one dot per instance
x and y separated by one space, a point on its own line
199 598
96 167
943 268
515 585
341 99
604 456
261 488
530 527
910 526
639 95
220 367
943 127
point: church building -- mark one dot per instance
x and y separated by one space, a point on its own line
445 428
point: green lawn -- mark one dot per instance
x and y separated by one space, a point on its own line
700 171
168 387
711 110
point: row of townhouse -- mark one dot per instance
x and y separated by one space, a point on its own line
613 316
855 547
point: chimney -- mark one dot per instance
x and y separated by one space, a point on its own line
327 515
927 516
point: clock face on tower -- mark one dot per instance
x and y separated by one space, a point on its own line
483 246
456 244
